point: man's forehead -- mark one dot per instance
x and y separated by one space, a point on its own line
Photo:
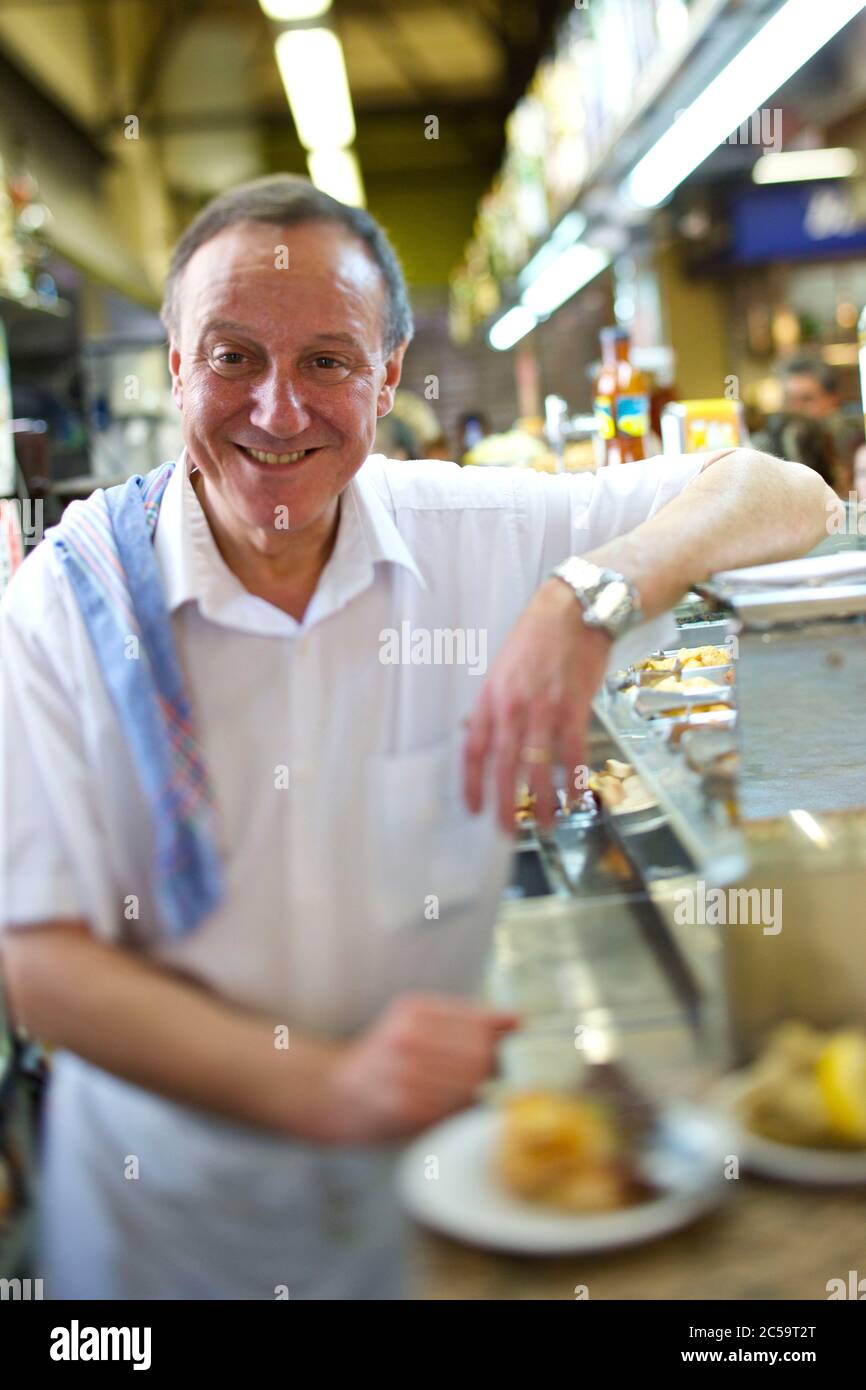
270 260
257 248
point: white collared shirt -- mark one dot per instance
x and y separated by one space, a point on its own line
354 870
337 773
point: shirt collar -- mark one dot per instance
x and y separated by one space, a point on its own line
384 541
194 571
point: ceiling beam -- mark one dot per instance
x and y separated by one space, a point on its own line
191 122
412 64
177 15
100 39
522 32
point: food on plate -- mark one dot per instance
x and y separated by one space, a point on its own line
578 456
688 659
526 806
618 769
842 1079
694 685
609 789
620 789
614 864
515 448
524 809
808 1088
566 1152
657 663
703 656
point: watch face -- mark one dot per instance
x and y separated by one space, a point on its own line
589 576
613 602
609 602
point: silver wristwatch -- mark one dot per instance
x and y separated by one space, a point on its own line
608 601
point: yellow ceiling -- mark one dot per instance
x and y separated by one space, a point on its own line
200 76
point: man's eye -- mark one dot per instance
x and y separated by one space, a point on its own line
224 358
329 363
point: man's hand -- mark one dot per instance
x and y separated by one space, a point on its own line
422 1059
743 508
535 705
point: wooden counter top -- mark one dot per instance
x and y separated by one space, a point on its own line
771 1241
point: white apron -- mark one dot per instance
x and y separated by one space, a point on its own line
217 1211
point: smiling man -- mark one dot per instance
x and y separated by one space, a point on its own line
280 409
250 862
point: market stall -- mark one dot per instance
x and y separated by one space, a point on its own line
686 931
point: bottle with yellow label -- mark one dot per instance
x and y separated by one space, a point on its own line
621 401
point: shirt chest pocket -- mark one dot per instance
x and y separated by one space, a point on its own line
429 856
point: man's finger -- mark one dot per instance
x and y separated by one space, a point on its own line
506 747
446 1009
537 759
476 751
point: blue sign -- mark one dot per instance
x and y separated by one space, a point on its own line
794 221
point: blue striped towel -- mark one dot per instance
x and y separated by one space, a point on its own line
106 547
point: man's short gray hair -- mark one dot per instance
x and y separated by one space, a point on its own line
287 200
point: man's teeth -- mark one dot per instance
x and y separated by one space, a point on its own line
261 457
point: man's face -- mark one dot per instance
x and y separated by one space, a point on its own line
280 352
805 395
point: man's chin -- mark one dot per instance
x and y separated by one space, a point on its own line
281 497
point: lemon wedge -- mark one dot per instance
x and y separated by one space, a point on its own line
841 1071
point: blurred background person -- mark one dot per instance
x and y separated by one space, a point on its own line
472 427
798 437
395 439
811 387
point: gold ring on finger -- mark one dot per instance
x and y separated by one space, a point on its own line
535 754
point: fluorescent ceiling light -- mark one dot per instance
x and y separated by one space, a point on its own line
337 172
794 34
289 10
563 277
793 165
314 76
510 328
569 229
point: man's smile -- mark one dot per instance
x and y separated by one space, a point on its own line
269 459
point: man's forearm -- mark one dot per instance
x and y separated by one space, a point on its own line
165 1034
744 508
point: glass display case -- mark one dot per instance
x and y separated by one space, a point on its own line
729 903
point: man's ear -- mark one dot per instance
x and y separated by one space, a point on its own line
393 371
174 369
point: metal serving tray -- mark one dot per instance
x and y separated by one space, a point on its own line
649 702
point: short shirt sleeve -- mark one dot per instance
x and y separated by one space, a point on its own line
50 829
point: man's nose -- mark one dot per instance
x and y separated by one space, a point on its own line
279 408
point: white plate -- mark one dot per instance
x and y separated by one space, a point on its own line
684 1159
789 1162
810 569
